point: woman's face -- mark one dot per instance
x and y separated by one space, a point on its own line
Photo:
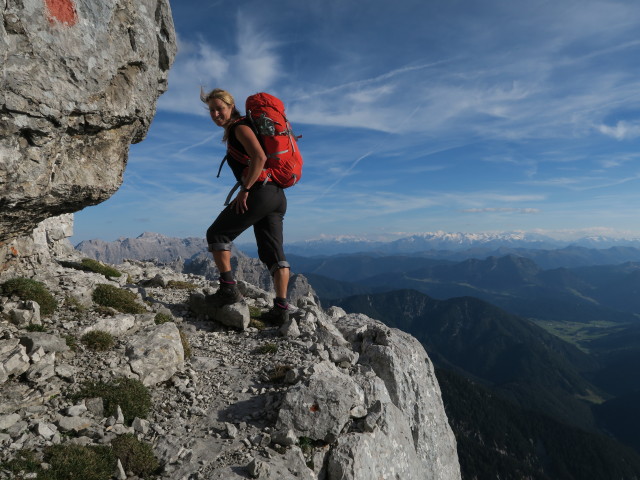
220 112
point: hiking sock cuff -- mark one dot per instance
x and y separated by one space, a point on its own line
226 277
281 303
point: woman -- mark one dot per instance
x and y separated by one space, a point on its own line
257 204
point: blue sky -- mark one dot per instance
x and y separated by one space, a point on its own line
416 116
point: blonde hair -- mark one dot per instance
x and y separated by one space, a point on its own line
224 96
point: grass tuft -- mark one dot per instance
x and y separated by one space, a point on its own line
137 457
92 265
98 340
161 318
28 289
122 300
267 348
76 461
72 342
131 394
278 373
180 285
32 327
186 346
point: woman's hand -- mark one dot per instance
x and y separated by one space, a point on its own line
240 202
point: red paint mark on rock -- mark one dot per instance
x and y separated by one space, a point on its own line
63 11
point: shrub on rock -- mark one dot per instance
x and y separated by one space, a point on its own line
161 318
98 340
136 456
92 265
77 461
28 289
122 300
132 395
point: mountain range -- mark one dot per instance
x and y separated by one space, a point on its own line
547 252
448 241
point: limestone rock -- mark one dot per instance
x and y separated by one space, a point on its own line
29 314
366 456
14 360
47 341
401 362
7 421
77 86
43 369
235 315
117 325
156 353
319 407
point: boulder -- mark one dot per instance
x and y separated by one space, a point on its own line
116 326
78 84
47 341
156 353
13 359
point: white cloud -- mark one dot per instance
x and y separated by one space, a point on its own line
252 64
621 130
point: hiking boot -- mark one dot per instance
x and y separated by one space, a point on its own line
277 315
227 294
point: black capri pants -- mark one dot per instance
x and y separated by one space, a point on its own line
267 205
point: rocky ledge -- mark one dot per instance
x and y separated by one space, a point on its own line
326 396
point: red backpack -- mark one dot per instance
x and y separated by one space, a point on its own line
284 161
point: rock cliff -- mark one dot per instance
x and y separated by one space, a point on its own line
78 84
326 396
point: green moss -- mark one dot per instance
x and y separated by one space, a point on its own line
122 300
28 289
131 394
98 340
161 318
136 456
179 285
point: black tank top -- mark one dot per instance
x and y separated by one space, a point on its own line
236 167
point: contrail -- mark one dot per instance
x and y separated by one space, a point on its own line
209 138
344 174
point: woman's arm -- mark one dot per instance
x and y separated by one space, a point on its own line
252 146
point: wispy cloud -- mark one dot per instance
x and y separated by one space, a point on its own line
621 131
527 211
253 64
